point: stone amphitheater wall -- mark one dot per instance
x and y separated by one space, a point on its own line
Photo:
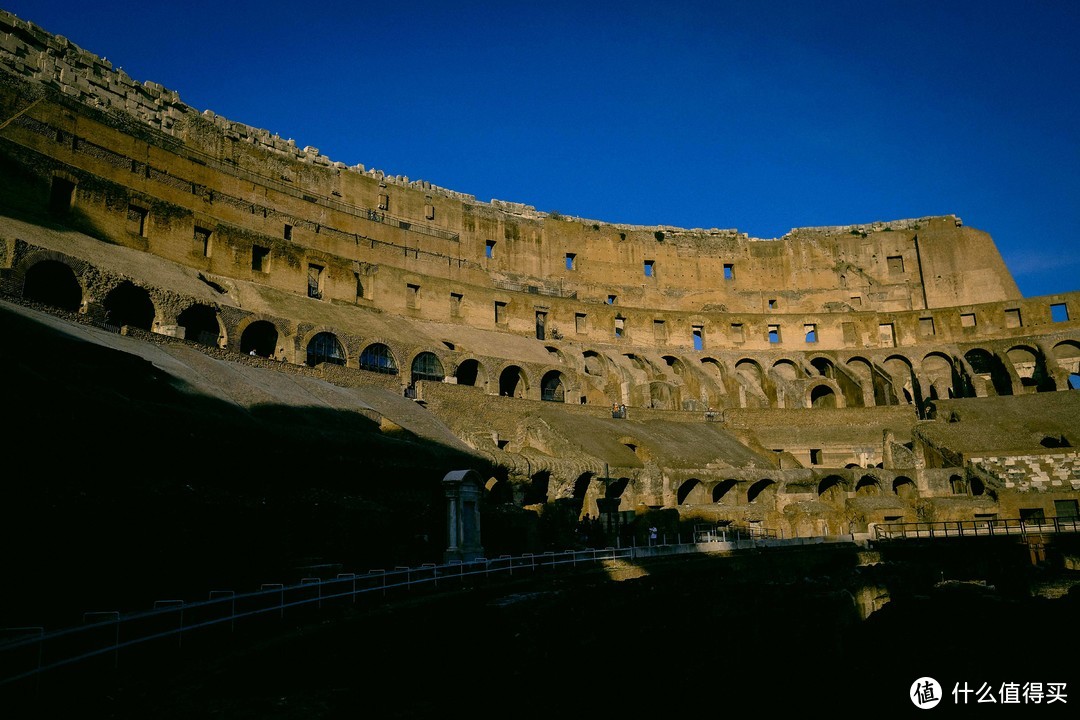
819 351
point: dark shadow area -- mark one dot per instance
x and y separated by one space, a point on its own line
124 488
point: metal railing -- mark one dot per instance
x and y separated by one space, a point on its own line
26 652
973 528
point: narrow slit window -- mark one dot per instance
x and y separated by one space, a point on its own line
649 268
202 241
699 337
500 312
579 323
571 261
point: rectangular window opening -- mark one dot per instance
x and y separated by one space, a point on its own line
61 196
412 295
260 258
611 299
579 323
1012 318
359 286
729 271
926 326
737 334
500 312
315 281
649 268
455 304
774 334
811 333
815 456
856 301
896 264
287 234
489 249
699 337
136 220
850 335
659 330
620 328
772 304
429 212
886 335
967 320
570 261
202 241
541 324
1059 312
384 201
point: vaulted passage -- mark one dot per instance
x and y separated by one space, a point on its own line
259 337
128 304
200 325
53 283
325 348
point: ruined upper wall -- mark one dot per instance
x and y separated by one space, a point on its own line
890 267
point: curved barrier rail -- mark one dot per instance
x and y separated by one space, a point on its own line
28 651
973 528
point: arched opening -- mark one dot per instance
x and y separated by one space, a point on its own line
822 396
989 367
127 304
940 372
467 372
581 485
831 487
824 366
261 338
551 387
661 396
758 488
537 492
512 382
594 363
903 486
426 366
499 489
868 485
377 357
52 283
616 488
200 323
722 488
958 485
786 369
1030 367
325 348
977 486
691 492
903 378
1067 356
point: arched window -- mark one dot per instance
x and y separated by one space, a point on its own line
325 348
551 387
378 358
426 366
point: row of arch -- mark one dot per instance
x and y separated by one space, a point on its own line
857 381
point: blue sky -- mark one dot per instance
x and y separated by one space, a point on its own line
760 116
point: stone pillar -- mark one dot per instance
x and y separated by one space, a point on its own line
462 488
